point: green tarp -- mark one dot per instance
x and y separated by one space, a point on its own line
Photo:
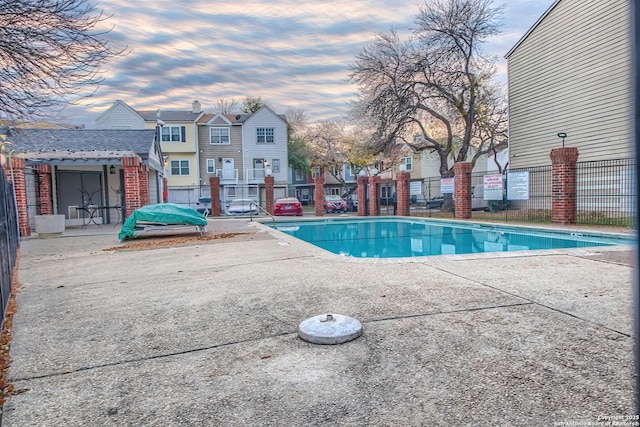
163 213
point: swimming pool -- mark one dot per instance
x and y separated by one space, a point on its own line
404 237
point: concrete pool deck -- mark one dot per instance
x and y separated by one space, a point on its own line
204 333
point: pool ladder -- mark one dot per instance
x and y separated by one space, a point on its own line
260 208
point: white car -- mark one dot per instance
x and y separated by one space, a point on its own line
242 207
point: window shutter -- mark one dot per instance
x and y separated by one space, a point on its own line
184 133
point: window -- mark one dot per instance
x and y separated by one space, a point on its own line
275 165
408 162
315 171
264 136
173 133
299 176
180 167
335 191
219 136
211 165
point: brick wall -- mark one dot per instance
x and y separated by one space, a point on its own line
462 190
44 190
362 195
143 179
374 209
214 185
19 186
402 193
132 199
319 193
563 185
268 189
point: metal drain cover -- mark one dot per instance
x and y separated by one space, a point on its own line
329 329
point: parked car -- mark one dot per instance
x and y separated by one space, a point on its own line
287 206
204 206
242 207
334 204
435 202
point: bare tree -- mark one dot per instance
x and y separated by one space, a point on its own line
251 104
226 106
51 52
326 147
428 89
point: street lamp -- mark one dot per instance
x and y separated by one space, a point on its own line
562 135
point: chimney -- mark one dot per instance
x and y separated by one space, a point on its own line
196 107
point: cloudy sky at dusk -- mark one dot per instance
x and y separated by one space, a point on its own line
291 53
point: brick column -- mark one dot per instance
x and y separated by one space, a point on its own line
268 189
131 185
462 190
374 208
564 202
165 191
362 195
318 194
214 185
44 190
402 192
143 179
20 188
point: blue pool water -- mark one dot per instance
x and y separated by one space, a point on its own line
394 238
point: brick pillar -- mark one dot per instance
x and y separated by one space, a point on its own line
44 190
564 202
402 192
131 185
362 195
268 189
318 194
374 207
462 190
143 179
214 185
20 188
165 190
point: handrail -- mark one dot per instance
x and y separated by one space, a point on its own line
260 208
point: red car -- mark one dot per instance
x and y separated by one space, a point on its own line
287 206
334 204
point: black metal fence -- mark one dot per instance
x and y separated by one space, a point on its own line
606 193
9 240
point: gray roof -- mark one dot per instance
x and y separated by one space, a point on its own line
34 140
168 115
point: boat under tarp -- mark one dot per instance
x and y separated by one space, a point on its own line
161 216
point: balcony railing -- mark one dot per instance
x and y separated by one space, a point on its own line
255 176
227 176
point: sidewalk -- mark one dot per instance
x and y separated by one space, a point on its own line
205 335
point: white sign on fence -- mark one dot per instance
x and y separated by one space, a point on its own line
415 188
447 185
518 185
493 186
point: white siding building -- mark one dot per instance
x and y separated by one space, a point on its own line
571 73
264 137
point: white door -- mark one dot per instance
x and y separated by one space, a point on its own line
228 171
258 165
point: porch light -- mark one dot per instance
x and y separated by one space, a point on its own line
362 172
268 172
112 170
374 172
402 167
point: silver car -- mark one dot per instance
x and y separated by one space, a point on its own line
242 207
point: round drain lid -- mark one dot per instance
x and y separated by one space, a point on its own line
329 329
